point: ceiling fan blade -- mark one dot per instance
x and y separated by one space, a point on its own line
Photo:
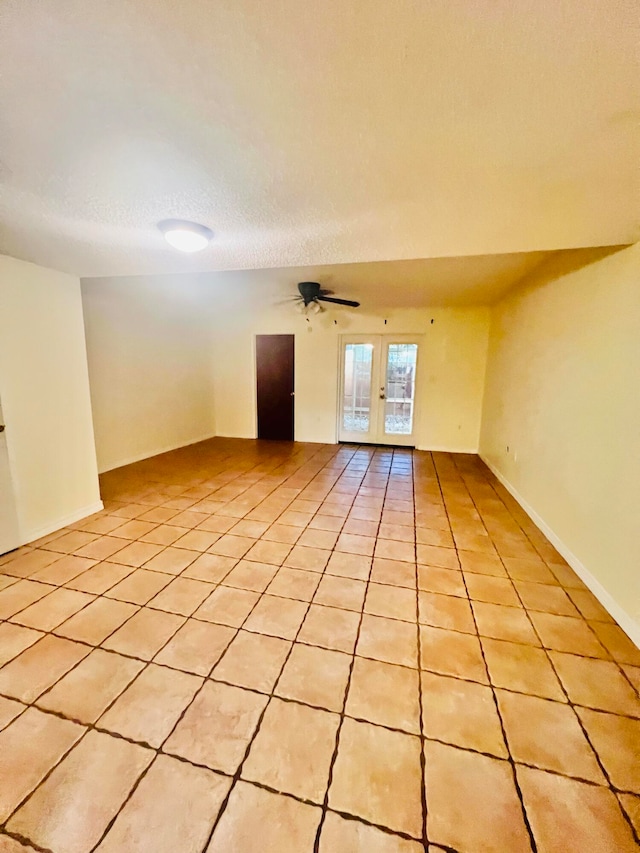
338 301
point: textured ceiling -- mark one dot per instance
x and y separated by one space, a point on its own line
378 286
314 133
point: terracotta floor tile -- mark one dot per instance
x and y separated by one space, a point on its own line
99 578
274 553
325 522
534 571
521 668
50 611
278 617
631 806
188 519
196 540
633 674
100 770
392 549
491 590
431 555
620 647
567 634
504 623
485 815
359 527
285 534
388 640
227 606
445 581
20 595
71 542
64 570
473 542
253 661
355 566
451 653
39 666
385 694
85 692
15 639
211 568
196 647
250 575
217 727
353 543
294 583
446 611
144 634
102 548
547 735
257 821
134 529
439 538
29 563
399 532
150 707
173 808
392 602
568 815
9 710
588 605
549 599
461 713
330 628
315 676
139 587
311 559
182 596
377 777
394 573
402 518
172 560
482 564
94 624
165 534
596 684
293 749
617 742
351 836
345 593
29 748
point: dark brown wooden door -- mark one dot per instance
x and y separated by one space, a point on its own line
275 376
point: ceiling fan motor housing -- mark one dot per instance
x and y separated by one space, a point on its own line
309 290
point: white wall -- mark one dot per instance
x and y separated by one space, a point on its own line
563 392
451 368
45 397
148 348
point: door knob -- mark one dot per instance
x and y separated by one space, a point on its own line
1 427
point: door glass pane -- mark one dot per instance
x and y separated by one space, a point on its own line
356 401
400 388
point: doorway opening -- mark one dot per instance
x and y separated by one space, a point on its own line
378 389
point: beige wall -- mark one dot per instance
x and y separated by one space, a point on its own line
45 397
563 393
148 348
451 369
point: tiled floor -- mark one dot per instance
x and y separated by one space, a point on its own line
263 648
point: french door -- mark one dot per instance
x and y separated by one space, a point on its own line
378 389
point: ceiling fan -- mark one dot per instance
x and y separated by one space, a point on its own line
311 295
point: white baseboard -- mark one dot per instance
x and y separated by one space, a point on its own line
149 454
628 625
441 449
79 514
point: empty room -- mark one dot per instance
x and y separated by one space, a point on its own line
319 427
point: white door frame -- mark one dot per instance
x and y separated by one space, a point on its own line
376 433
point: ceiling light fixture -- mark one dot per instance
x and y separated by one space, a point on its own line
185 236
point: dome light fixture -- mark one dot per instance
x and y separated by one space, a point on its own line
185 236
